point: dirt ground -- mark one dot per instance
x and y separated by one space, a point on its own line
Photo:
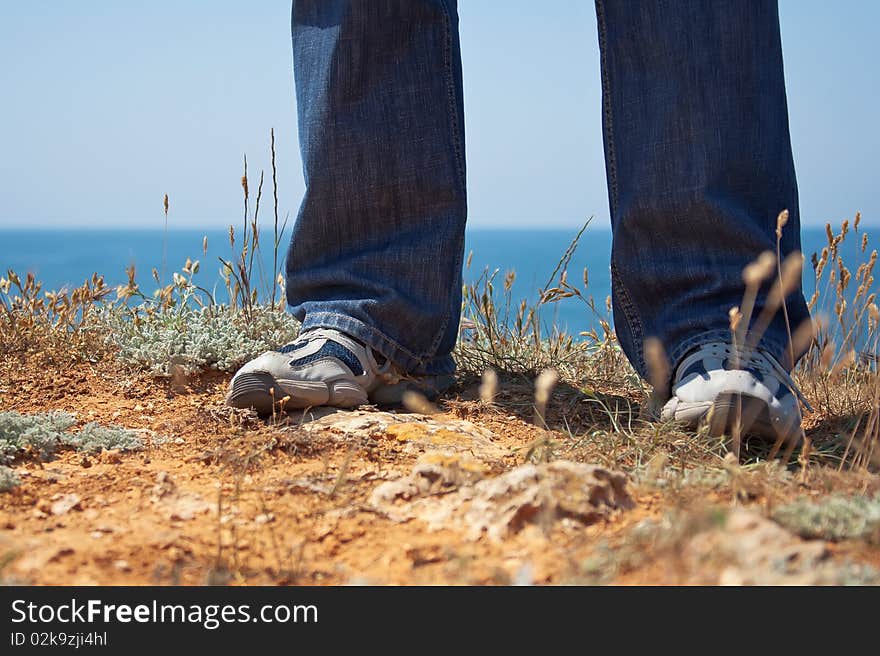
219 496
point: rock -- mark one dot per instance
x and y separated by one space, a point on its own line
164 486
752 550
326 525
433 474
305 485
59 553
533 493
426 555
179 505
500 506
186 506
164 539
65 504
415 433
111 457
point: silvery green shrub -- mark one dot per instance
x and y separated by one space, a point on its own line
8 479
196 339
833 518
45 432
93 438
42 432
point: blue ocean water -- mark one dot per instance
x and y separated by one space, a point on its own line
66 257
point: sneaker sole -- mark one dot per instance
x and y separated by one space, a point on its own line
730 409
750 413
262 392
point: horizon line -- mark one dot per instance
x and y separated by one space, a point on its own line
603 226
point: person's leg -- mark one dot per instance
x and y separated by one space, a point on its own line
374 265
377 248
699 165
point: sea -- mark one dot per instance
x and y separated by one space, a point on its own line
64 258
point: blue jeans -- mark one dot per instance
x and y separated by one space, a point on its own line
698 159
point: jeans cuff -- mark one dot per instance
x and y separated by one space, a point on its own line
378 341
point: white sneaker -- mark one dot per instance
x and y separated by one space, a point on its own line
322 367
758 393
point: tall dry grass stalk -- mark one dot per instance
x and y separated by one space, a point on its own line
165 239
239 272
56 324
544 385
512 336
278 234
839 370
489 386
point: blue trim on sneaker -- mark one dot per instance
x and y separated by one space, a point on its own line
332 350
699 368
680 351
370 336
696 368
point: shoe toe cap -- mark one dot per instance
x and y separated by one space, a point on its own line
270 362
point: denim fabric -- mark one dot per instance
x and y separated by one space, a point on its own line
378 243
699 165
697 151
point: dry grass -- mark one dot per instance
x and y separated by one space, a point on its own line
602 407
609 413
582 396
50 324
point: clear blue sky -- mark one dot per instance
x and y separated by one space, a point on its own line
108 105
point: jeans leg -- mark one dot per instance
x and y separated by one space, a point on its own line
377 247
699 165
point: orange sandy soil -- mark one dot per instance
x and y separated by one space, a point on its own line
224 497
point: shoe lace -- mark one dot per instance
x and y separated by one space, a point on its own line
761 360
387 372
787 380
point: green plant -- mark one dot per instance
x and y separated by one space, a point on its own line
94 438
44 433
195 339
832 518
41 433
8 479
